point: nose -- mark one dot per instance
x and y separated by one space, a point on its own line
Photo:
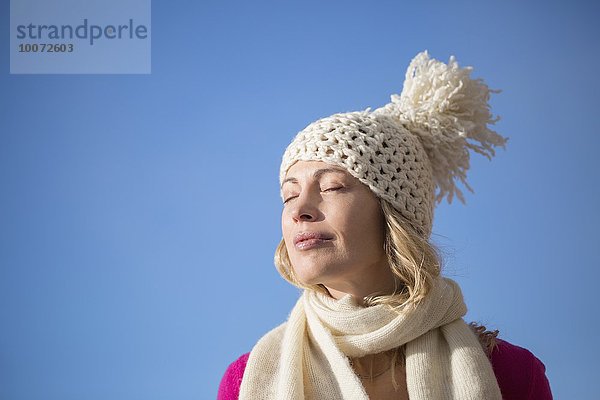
303 216
305 207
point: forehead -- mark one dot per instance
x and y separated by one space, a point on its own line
310 166
314 170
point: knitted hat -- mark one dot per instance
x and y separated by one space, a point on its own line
417 143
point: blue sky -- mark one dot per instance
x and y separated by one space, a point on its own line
139 214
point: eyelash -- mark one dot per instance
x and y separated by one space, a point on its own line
326 190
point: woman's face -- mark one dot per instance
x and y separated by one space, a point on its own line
345 252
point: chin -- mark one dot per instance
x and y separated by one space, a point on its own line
311 274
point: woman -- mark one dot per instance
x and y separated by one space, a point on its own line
376 320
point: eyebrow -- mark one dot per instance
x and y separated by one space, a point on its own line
316 174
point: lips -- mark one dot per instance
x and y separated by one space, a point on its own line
305 240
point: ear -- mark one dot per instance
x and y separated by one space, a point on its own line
487 339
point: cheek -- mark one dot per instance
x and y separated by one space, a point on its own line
364 227
286 230
285 224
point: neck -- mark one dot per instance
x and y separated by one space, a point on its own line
374 365
362 287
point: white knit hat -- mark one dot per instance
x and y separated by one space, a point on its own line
406 149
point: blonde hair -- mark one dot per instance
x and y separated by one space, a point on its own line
414 261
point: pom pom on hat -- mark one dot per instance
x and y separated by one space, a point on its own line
450 113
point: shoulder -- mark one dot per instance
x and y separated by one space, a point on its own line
520 374
229 388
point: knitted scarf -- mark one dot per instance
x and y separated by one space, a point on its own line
307 356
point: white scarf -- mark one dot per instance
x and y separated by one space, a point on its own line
307 357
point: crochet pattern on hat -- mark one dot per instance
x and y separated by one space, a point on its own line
377 151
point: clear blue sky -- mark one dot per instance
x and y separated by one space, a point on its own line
139 214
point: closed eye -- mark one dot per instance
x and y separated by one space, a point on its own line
289 198
324 190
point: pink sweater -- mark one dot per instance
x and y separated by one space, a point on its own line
520 374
